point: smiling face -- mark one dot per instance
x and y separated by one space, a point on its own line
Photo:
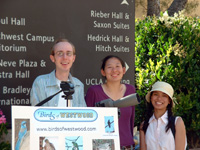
113 70
160 100
63 57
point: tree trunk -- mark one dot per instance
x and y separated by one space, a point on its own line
176 6
153 7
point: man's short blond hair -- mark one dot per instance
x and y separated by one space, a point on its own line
62 40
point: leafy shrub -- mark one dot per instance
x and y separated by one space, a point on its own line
168 49
3 130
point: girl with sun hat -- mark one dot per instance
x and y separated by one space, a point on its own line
156 132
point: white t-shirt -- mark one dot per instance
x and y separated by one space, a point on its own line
156 136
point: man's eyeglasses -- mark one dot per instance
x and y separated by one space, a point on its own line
61 53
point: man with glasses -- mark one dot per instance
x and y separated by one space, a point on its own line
63 55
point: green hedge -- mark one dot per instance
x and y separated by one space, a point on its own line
168 49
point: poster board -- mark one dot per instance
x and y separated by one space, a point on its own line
86 128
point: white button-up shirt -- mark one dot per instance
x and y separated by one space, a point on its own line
156 136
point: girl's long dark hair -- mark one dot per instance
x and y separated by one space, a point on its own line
150 111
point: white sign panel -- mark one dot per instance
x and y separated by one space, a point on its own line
72 128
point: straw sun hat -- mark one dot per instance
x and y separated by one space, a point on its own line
163 87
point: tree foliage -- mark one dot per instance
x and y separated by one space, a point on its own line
168 49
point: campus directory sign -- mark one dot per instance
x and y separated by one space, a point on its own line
30 27
65 128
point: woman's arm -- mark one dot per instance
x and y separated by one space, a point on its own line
90 97
180 136
142 138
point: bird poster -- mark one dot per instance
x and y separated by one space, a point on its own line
71 128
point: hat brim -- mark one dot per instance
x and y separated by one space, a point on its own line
148 96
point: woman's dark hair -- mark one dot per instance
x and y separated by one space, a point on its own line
149 113
108 57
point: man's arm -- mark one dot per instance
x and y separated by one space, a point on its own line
34 95
82 97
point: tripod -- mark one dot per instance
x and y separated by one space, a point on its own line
68 90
